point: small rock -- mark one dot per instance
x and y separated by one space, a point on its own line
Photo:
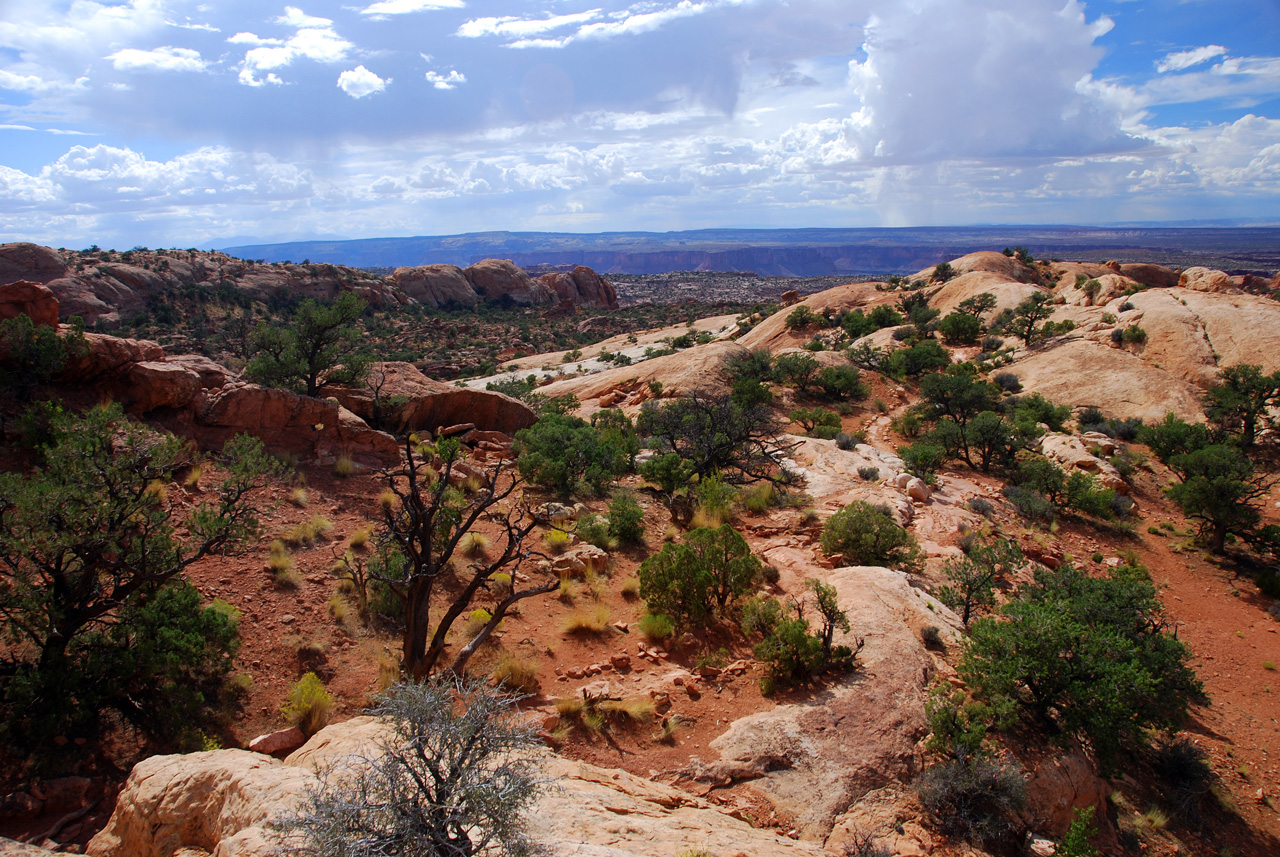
620 662
280 741
288 619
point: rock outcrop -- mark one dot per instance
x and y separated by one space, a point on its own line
24 261
1205 280
772 332
703 368
418 402
818 757
1079 372
436 285
33 300
105 285
500 280
582 287
221 803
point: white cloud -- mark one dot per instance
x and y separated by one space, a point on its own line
16 128
1186 59
315 40
190 25
446 81
295 17
512 27
165 58
404 7
359 82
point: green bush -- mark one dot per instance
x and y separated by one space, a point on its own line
922 458
711 568
841 383
802 317
566 455
309 705
626 519
861 534
1029 504
960 328
1126 674
917 359
656 626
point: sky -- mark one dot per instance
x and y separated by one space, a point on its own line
167 123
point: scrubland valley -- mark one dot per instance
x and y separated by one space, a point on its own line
981 560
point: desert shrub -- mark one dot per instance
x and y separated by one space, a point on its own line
797 370
943 272
656 626
1173 436
343 466
849 440
1082 829
515 673
922 458
474 545
1029 504
811 418
594 530
669 472
1126 675
991 343
917 359
802 317
841 382
566 455
981 506
1134 335
309 705
1185 774
870 474
1008 382
960 328
626 519
974 798
861 534
1042 476
587 621
455 776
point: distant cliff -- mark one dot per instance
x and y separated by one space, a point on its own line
796 252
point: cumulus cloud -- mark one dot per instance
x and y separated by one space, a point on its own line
165 58
446 81
515 27
359 82
1186 59
314 39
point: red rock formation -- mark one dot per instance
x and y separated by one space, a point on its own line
31 299
1157 276
435 285
433 404
496 279
583 287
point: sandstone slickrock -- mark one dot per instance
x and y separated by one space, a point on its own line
1081 372
221 801
823 754
1007 267
280 741
1072 453
1156 276
34 300
1008 292
702 367
772 332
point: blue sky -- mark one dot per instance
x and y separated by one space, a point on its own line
170 123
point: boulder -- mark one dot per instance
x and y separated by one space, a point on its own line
500 279
1201 279
108 355
819 756
158 384
30 299
1072 453
10 848
30 262
76 298
703 368
280 741
1156 276
315 429
1057 787
212 375
436 285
